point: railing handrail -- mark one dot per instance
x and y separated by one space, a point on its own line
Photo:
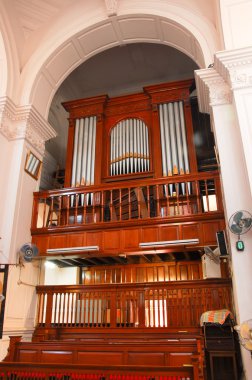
136 286
128 184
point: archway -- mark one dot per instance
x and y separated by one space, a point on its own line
66 48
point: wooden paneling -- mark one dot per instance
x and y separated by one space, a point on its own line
172 353
209 231
149 234
111 240
93 238
56 356
152 358
153 272
130 238
127 239
190 231
58 241
98 358
169 232
75 240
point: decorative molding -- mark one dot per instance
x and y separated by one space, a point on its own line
212 90
24 122
111 7
235 66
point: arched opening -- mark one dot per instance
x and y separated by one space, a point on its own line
120 71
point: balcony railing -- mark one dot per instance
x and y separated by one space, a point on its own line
148 199
148 305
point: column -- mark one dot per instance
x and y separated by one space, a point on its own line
22 129
218 97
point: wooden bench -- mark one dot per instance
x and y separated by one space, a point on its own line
166 352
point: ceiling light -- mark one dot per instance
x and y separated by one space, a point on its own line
168 243
87 248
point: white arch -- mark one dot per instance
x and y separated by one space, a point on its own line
79 35
9 60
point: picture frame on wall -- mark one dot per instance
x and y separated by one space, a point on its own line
33 165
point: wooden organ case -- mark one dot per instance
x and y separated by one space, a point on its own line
131 172
137 136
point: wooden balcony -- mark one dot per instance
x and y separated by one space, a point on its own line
110 332
166 306
119 216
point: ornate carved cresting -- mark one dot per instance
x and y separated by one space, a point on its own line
24 122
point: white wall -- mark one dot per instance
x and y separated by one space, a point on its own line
236 23
60 276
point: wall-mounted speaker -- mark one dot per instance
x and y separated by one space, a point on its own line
221 240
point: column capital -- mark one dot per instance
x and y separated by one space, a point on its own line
212 89
235 66
24 122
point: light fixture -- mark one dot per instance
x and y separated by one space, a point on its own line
87 248
50 265
168 243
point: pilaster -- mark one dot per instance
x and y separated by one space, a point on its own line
225 91
24 122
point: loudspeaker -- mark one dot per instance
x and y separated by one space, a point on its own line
221 240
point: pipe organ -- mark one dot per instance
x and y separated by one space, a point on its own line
129 147
130 137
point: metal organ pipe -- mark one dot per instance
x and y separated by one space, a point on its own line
84 152
129 147
173 140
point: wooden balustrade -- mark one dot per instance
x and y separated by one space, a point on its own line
151 198
31 371
142 305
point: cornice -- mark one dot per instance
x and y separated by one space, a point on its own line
235 66
212 89
24 122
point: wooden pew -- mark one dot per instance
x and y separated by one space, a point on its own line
118 350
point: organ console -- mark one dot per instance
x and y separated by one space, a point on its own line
140 135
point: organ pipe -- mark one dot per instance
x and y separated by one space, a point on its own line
129 147
84 152
175 158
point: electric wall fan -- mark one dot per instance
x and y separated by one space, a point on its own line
240 223
245 334
27 252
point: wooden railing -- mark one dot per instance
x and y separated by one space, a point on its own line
149 305
149 199
31 371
